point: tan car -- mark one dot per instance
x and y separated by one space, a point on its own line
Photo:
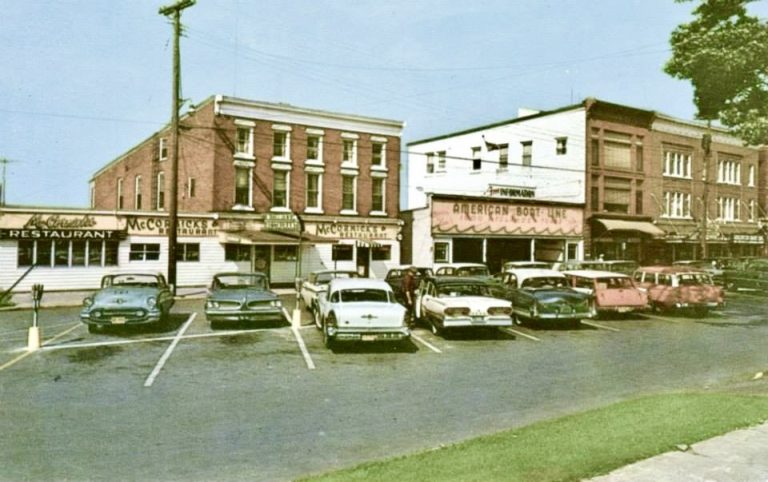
679 288
612 292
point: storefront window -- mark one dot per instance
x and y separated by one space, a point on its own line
144 252
110 253
78 253
441 253
381 253
237 252
188 252
61 253
342 252
94 253
26 253
286 253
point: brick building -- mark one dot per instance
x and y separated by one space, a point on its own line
261 169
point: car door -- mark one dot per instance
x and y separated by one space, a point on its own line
428 301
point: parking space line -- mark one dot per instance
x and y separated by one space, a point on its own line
26 354
425 343
303 348
160 363
598 325
510 331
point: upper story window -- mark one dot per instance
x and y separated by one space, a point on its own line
430 162
378 153
243 186
677 163
561 147
191 187
616 195
314 190
163 149
477 161
314 151
280 189
280 144
441 161
752 210
244 138
751 175
729 171
348 197
617 150
527 152
639 155
728 209
349 148
378 195
120 193
137 193
677 205
160 191
503 156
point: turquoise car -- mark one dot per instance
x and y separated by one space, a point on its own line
242 297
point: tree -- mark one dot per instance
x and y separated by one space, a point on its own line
724 53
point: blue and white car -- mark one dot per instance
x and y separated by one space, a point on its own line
241 297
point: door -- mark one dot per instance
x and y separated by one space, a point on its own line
363 261
262 256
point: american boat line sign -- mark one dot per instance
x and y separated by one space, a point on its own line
56 226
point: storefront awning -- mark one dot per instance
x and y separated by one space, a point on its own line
638 226
271 237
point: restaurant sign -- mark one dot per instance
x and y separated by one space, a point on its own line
498 218
58 226
156 226
363 231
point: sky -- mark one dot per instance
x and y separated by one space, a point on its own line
83 81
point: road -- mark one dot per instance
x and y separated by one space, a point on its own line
197 404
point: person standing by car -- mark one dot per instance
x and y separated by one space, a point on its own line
409 294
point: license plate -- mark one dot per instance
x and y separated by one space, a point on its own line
478 319
624 309
118 320
368 338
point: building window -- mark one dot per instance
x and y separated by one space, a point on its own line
144 252
378 154
120 193
348 193
242 186
160 191
616 195
677 163
638 201
562 146
677 205
342 252
752 211
441 252
441 161
313 190
527 152
377 195
237 252
188 252
313 148
349 151
79 249
26 252
67 253
381 253
639 158
594 198
751 175
191 187
280 189
595 154
286 253
503 156
728 209
477 162
729 171
137 192
430 163
280 144
617 150
244 143
163 149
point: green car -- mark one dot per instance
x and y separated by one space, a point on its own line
241 297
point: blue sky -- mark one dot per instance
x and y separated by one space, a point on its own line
84 81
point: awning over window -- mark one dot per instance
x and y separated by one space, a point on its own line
637 226
271 237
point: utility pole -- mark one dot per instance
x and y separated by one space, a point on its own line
3 186
173 207
706 144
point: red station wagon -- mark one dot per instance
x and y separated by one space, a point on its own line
613 292
679 288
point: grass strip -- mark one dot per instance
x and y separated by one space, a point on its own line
577 446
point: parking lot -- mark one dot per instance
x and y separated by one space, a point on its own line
272 403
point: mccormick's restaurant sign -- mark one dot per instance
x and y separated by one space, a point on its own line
345 230
59 226
500 218
158 226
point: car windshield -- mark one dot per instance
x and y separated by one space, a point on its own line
614 283
544 282
147 281
238 281
453 290
690 279
364 294
472 271
325 278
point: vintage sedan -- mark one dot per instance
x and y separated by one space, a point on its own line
361 309
543 295
446 302
239 297
612 292
396 274
679 288
316 283
128 299
476 270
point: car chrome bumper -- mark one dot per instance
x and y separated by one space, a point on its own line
369 334
245 315
467 321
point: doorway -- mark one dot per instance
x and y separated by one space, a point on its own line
363 261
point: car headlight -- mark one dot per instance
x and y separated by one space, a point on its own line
456 311
151 301
499 310
88 302
211 304
276 303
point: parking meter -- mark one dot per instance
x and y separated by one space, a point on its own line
37 296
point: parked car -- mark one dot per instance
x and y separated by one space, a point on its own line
316 283
579 264
396 274
620 266
679 288
711 266
239 297
748 275
525 264
128 299
473 270
361 309
543 295
612 292
446 302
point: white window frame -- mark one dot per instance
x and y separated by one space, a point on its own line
729 171
752 206
379 141
285 130
119 201
138 198
319 208
430 163
526 158
354 195
349 139
249 206
728 209
677 163
248 126
503 157
319 135
441 156
162 153
160 192
751 180
677 205
381 181
191 187
286 206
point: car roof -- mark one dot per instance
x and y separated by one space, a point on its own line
241 273
670 269
359 283
535 272
462 265
593 273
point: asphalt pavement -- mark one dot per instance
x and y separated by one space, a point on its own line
741 455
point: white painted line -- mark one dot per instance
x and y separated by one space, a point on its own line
598 325
515 332
303 347
425 343
160 363
27 353
287 315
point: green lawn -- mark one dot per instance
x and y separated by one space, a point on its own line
577 446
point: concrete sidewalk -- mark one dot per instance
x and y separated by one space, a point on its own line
739 456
